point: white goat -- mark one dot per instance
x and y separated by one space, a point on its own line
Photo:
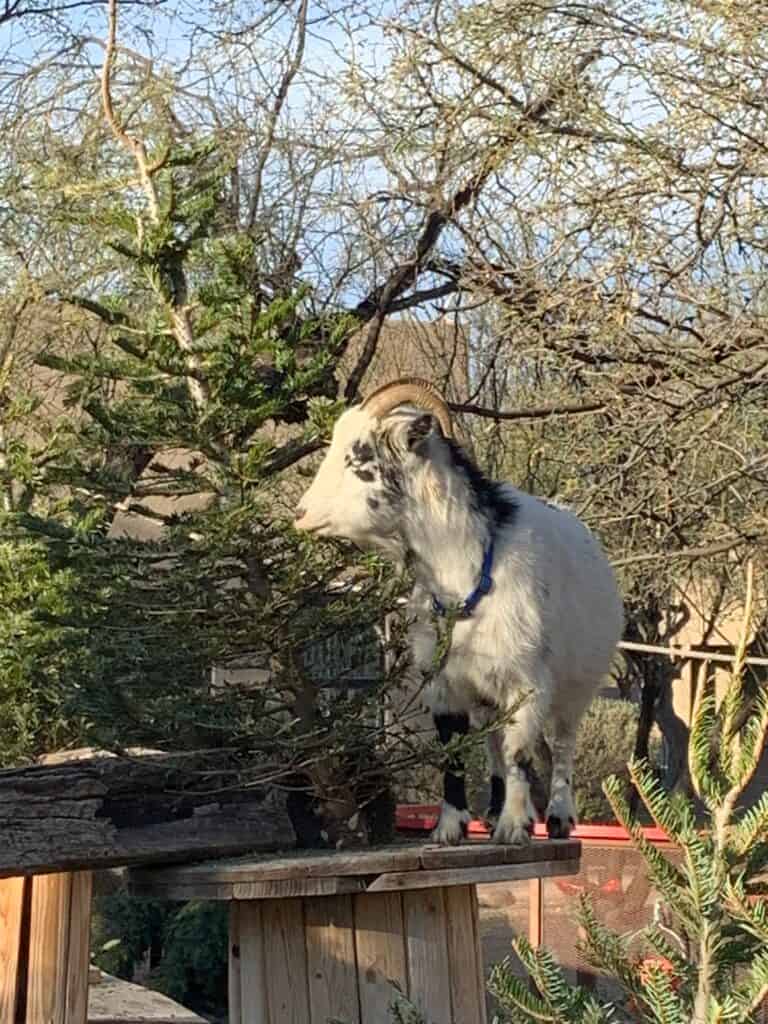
541 609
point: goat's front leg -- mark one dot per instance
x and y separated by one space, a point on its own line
497 773
454 815
516 744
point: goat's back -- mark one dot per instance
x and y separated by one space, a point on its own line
553 575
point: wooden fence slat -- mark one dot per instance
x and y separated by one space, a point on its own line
477 939
285 961
403 881
380 948
234 1004
428 965
328 927
467 989
48 949
536 912
79 947
253 971
11 912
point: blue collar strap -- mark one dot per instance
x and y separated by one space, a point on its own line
484 585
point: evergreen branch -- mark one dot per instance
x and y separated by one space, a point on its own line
667 878
605 949
659 941
111 317
745 748
703 729
513 991
752 827
660 997
729 754
754 989
677 820
290 453
753 916
752 739
563 1002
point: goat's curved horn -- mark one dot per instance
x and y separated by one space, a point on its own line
411 391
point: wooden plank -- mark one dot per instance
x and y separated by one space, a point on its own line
292 887
429 987
234 1003
331 967
79 947
467 990
48 949
481 983
407 880
11 912
299 865
253 969
380 952
89 813
267 890
285 959
536 912
181 881
182 891
480 853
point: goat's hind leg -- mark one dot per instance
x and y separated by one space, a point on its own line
454 814
561 809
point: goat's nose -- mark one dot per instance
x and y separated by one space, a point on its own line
300 513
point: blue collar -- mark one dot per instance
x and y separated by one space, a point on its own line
484 585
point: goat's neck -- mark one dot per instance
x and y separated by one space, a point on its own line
446 549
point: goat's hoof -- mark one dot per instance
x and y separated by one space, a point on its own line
559 829
490 820
452 826
508 834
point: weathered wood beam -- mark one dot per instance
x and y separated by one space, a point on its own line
103 810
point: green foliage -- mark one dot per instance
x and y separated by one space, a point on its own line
184 388
604 746
708 962
556 1000
32 655
184 946
179 418
193 969
124 930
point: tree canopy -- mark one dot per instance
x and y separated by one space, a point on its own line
205 204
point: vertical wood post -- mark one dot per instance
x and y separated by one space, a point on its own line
79 956
234 1003
536 912
11 914
45 948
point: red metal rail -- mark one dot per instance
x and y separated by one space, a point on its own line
423 818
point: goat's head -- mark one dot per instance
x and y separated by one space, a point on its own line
382 455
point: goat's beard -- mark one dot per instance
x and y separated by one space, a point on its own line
393 546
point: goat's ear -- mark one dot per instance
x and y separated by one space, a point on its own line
420 429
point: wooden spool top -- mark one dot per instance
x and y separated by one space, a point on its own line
386 869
